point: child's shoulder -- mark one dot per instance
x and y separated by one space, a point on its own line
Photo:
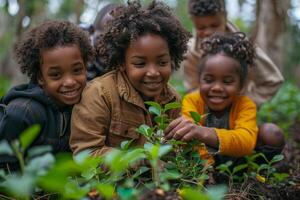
107 82
195 94
244 100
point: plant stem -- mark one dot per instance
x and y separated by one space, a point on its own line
19 155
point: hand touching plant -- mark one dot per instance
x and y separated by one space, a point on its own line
185 130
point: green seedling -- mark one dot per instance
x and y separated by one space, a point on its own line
231 172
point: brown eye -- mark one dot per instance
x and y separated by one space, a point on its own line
138 64
163 63
54 75
78 70
208 79
228 80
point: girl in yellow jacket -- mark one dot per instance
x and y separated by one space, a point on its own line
229 127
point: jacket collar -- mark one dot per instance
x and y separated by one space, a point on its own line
128 93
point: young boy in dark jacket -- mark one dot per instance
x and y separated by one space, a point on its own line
54 57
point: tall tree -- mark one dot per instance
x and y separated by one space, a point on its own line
270 26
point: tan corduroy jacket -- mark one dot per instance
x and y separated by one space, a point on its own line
109 112
264 78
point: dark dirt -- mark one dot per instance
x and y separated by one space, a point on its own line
290 189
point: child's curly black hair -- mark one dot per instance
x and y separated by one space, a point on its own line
206 7
133 21
235 45
47 36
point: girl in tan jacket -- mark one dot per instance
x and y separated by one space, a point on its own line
141 47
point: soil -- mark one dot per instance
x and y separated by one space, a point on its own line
290 189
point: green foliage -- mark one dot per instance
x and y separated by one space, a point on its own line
242 25
213 193
119 174
283 109
177 83
291 50
155 134
264 172
4 85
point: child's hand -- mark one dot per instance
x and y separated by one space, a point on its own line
185 130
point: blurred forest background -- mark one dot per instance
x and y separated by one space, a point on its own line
273 24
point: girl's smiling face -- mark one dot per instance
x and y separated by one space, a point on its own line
220 82
148 65
63 74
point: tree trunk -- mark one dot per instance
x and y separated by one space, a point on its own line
270 28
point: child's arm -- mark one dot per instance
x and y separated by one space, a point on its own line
90 122
19 115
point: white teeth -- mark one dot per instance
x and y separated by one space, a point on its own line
69 93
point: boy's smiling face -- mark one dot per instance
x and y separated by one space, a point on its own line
207 25
63 74
220 82
148 65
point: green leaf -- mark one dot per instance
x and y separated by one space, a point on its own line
225 167
140 171
160 119
38 150
154 104
106 190
193 194
126 193
53 181
154 110
19 186
144 130
132 156
153 150
239 168
280 176
173 105
89 173
262 167
29 135
263 156
217 192
81 157
277 158
170 175
73 191
126 144
41 164
113 158
5 148
196 116
2 174
164 149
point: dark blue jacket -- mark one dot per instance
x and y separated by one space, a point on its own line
28 104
